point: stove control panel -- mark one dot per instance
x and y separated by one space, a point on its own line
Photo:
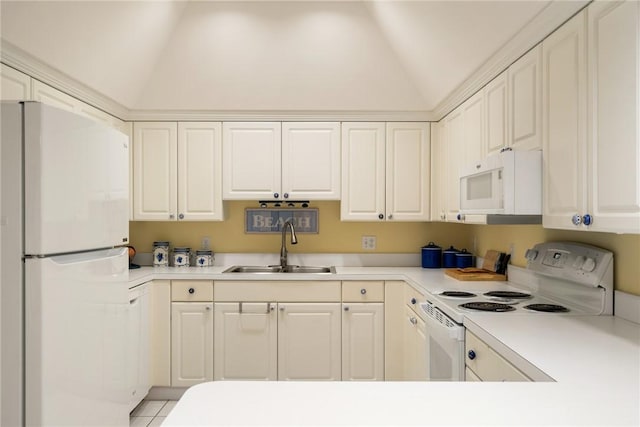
570 261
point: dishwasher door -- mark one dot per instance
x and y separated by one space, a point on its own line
445 346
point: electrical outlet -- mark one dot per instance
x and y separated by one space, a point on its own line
206 242
369 242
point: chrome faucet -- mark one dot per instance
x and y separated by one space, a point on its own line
283 249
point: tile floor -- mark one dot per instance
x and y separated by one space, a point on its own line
151 413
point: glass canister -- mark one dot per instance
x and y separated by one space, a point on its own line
181 256
160 254
204 258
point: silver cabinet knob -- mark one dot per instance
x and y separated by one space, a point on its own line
363 291
171 216
390 216
181 216
281 308
413 320
346 308
285 195
576 219
208 308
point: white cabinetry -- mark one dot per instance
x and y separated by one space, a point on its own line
525 101
191 332
414 335
473 116
362 331
160 333
309 341
270 160
495 98
591 127
138 348
613 169
385 171
439 170
14 85
177 171
485 364
245 341
453 154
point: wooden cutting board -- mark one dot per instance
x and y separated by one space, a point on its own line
474 274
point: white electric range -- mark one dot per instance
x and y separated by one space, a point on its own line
561 278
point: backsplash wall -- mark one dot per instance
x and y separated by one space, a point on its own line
336 236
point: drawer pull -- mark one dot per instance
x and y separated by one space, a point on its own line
346 308
471 354
192 291
363 291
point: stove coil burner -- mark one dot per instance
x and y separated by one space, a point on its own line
547 308
487 306
507 294
457 294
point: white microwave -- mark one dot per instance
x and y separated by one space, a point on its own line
507 183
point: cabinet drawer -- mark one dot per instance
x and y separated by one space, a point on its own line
413 298
363 291
274 291
192 290
487 364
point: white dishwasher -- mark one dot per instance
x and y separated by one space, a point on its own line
138 344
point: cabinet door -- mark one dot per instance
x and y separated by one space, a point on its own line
495 98
408 175
309 341
311 161
473 130
454 150
363 174
251 159
363 341
14 85
191 343
200 171
415 356
438 171
394 320
155 169
564 123
614 98
160 333
50 96
138 329
525 101
245 342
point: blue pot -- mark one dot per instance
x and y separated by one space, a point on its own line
449 257
464 259
431 256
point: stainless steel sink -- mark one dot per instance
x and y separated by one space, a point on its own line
258 269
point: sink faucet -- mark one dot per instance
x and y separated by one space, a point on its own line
294 240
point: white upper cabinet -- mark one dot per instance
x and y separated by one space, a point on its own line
408 173
251 158
453 152
14 85
591 127
311 161
270 160
614 116
200 171
564 124
155 171
177 171
385 171
363 171
525 101
473 119
495 98
439 169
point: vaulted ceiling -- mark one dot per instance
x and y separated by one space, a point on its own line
267 55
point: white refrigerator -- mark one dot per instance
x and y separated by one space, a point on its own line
64 270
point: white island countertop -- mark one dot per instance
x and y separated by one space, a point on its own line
595 361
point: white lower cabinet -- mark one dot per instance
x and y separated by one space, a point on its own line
138 352
414 338
309 341
160 333
191 343
362 341
485 364
245 341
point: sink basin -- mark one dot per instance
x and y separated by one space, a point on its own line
257 269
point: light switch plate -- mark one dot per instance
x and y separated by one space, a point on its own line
369 242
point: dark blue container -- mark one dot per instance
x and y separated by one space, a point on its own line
449 257
464 259
431 256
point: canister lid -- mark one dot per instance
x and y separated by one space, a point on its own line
203 252
160 243
451 250
463 252
181 249
431 246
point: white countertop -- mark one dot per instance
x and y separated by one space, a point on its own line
594 359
